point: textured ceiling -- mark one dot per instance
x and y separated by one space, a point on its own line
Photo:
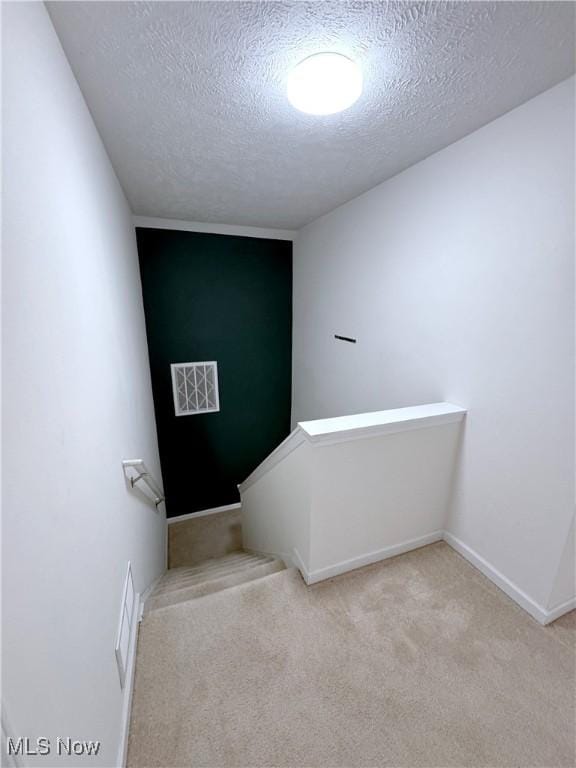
189 97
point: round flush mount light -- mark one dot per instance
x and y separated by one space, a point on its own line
324 83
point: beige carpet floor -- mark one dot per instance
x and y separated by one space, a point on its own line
416 661
197 539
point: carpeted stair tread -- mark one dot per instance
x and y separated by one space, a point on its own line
211 586
240 555
185 580
186 583
220 598
170 578
214 562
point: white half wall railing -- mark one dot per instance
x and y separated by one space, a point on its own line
136 472
345 492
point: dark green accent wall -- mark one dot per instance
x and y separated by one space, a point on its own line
229 299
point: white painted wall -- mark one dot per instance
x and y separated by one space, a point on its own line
341 493
375 494
457 279
276 508
77 400
564 587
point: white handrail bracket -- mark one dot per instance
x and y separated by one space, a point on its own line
142 473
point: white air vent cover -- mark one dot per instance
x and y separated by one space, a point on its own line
195 387
124 637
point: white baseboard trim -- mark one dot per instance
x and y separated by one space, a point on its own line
145 595
129 684
203 513
7 760
559 610
297 562
139 601
542 615
368 559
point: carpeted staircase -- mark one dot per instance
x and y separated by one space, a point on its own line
179 585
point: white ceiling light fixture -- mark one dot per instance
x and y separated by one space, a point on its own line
324 84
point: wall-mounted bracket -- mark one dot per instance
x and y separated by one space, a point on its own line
345 338
142 474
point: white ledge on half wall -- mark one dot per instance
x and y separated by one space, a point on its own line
341 493
381 422
357 426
